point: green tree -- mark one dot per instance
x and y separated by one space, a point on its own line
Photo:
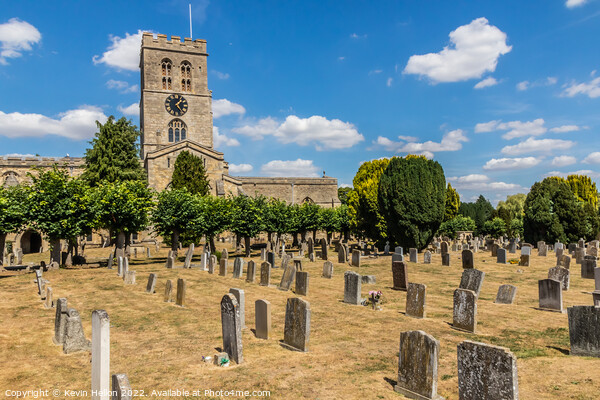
12 211
122 208
452 203
512 208
584 189
174 214
343 194
342 220
214 216
189 173
459 223
328 221
412 199
480 211
495 227
515 228
113 156
363 206
277 217
309 218
247 217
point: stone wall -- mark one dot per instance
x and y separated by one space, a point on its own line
321 191
13 170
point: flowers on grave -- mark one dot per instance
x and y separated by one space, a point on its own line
375 294
513 261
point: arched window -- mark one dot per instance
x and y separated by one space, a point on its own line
186 77
166 68
177 131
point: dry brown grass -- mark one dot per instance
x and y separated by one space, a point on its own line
353 350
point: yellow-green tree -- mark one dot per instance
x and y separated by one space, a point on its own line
363 207
512 208
584 189
452 203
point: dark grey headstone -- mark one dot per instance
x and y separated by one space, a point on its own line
465 310
416 301
150 287
342 257
231 328
356 258
560 274
550 295
271 259
587 268
265 274
584 330
301 283
400 275
467 259
352 287
251 271
472 279
446 259
327 269
238 267
501 256
60 321
296 332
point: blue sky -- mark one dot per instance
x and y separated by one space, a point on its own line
501 93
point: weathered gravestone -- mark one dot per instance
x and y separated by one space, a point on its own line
170 262
289 274
223 266
262 319
467 259
148 252
465 310
506 294
472 279
188 256
301 283
168 291
397 257
581 243
296 332
579 255
584 330
400 275
563 261
356 258
100 355
587 267
486 372
224 254
212 264
416 301
121 266
265 274
559 252
327 269
263 254
342 255
596 292
74 338
418 366
121 389
427 257
324 249
240 296
526 251
129 278
251 272
368 279
550 295
150 287
181 289
524 260
60 321
352 287
512 246
231 328
501 256
542 249
444 247
285 261
297 264
238 267
271 259
413 255
386 249
399 250
560 274
110 259
446 259
494 249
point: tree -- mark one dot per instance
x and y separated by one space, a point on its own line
60 207
480 211
343 194
277 217
214 216
495 228
122 208
247 217
342 220
113 156
512 208
189 173
452 203
12 212
327 221
459 223
363 206
412 200
515 228
173 215
309 218
584 189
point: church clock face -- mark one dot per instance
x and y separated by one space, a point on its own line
176 105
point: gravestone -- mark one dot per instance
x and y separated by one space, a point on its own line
271 259
512 246
238 267
446 259
472 279
289 274
224 254
352 287
400 275
324 249
74 339
418 366
542 249
121 266
231 328
301 283
240 296
263 254
148 252
368 279
125 267
297 264
486 372
296 332
397 257
444 247
587 267
204 259
285 261
572 247
121 389
563 261
524 260
581 243
111 259
327 269
251 272
168 291
416 300
265 274
170 262
386 249
150 287
60 321
501 256
550 295
356 258
467 259
188 256
579 255
560 274
212 263
413 255
465 310
342 255
129 278
495 248
262 316
427 257
584 330
526 251
181 286
506 294
399 250
596 292
559 252
100 354
223 266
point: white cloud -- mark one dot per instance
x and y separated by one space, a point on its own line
356 36
486 126
240 168
592 158
344 185
408 138
123 53
341 58
549 81
18 155
565 128
481 183
16 36
575 3
133 110
474 49
76 124
222 139
297 168
375 71
389 82
325 134
521 129
472 178
591 89
511 163
489 81
121 86
562 161
223 107
523 85
220 75
451 141
532 145
588 172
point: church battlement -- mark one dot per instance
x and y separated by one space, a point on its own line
175 44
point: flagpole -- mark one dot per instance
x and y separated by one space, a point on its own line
191 37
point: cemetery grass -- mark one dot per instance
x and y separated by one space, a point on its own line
353 350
